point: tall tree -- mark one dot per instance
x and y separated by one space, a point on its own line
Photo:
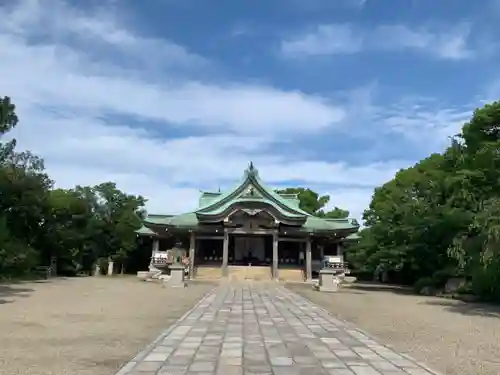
310 201
8 120
336 213
37 222
314 204
441 216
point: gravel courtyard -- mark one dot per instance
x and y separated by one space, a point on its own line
84 326
449 336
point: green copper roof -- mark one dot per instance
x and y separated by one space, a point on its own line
353 237
158 219
315 224
312 224
145 231
207 197
221 208
188 220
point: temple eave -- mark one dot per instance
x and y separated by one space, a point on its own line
213 227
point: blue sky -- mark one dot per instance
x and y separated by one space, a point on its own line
167 97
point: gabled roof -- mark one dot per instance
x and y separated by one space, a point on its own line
318 224
145 231
353 237
207 197
252 189
158 219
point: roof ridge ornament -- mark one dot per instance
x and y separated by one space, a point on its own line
251 171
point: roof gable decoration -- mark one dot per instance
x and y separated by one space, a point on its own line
250 192
251 212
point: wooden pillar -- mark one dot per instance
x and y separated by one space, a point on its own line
308 259
192 245
225 253
275 256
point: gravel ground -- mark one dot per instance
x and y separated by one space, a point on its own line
449 336
84 326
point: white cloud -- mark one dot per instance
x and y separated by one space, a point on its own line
424 121
95 117
492 91
359 200
240 108
445 43
324 40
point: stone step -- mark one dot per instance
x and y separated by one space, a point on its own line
249 273
208 272
291 275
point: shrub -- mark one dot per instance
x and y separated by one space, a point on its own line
439 278
423 283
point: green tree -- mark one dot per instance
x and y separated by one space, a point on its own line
476 247
336 213
313 203
119 217
441 216
8 120
37 222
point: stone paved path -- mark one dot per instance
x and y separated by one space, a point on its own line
258 329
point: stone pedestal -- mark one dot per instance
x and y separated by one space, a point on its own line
97 270
111 266
328 280
176 275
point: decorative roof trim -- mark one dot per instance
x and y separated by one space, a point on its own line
239 205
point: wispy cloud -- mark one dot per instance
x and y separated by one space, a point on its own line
85 108
424 121
97 100
321 5
324 40
444 43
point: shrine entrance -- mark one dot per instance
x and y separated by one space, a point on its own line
250 250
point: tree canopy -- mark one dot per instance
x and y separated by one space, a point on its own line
314 204
441 217
37 222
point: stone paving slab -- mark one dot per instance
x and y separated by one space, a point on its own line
265 329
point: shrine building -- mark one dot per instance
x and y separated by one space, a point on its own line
250 230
